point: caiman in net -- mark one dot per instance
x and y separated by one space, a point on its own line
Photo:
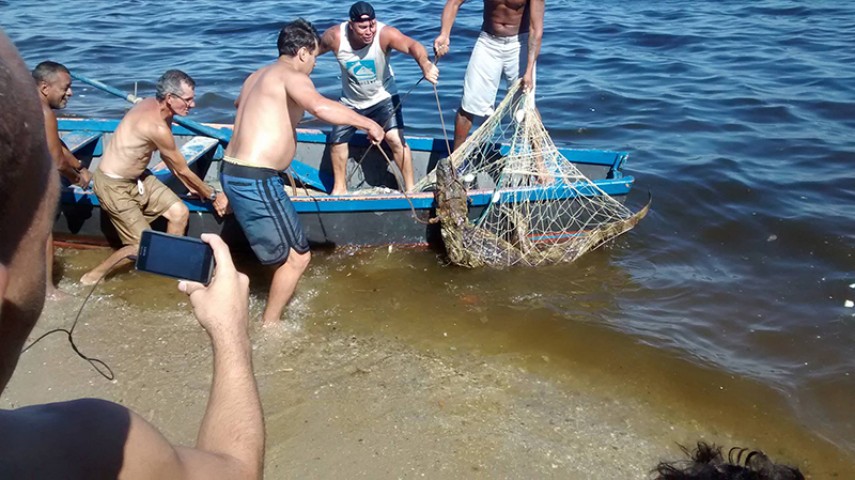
539 207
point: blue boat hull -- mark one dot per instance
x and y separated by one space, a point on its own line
383 216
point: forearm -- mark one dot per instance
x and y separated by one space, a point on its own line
193 182
233 424
420 55
69 163
534 40
337 114
449 13
535 32
69 172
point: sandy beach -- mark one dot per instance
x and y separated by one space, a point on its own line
349 395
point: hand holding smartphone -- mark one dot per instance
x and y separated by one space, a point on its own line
222 307
184 258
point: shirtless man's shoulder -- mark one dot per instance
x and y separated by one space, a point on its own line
144 118
48 113
44 439
272 82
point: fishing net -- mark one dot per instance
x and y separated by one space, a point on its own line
537 207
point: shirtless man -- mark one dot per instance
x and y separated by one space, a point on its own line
362 46
507 25
271 102
91 438
128 192
53 82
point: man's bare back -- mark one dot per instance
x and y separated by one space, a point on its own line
267 117
504 18
129 151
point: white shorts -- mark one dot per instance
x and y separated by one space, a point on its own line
492 58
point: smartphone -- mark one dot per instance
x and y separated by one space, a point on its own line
185 258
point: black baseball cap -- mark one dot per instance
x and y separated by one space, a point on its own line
361 11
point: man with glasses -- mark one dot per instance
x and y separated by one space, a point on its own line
127 191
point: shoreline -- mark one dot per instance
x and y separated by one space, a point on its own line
341 401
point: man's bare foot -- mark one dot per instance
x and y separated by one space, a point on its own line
267 325
90 279
339 191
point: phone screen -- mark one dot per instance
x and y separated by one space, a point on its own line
174 256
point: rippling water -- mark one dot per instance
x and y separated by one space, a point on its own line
738 117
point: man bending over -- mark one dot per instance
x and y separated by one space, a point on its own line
127 190
271 103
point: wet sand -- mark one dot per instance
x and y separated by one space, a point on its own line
358 384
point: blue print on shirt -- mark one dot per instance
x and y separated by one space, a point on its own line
363 71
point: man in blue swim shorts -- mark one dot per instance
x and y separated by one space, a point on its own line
271 102
498 52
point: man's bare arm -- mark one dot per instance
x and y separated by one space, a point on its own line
449 13
83 173
172 157
230 444
68 166
535 36
302 92
391 37
329 40
233 424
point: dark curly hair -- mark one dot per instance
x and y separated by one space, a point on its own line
296 35
707 463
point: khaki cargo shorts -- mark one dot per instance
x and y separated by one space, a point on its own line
131 208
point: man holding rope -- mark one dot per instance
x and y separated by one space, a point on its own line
362 46
498 52
271 102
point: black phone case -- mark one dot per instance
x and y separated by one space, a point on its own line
164 240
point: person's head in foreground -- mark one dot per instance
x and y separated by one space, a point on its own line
28 192
707 463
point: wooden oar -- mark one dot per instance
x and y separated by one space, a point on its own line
222 134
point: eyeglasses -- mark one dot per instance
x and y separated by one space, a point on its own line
185 100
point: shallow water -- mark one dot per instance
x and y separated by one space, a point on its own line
725 305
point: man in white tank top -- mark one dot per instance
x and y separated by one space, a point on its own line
362 46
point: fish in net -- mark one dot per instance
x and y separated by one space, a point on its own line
542 209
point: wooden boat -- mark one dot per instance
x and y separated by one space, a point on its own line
374 213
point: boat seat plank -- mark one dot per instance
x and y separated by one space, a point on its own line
192 151
77 140
312 177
